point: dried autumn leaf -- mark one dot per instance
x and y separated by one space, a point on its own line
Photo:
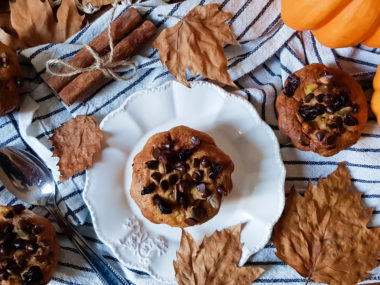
35 23
215 261
11 41
75 143
324 235
196 43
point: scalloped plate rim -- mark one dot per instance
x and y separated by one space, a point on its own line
225 94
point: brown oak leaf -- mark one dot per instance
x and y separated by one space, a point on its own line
196 43
215 261
75 143
324 234
35 22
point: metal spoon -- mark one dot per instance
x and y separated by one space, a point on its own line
29 179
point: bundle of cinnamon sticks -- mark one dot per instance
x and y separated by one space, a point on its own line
127 33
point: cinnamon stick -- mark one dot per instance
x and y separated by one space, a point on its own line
119 29
88 83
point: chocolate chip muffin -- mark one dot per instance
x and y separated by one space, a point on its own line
10 80
322 109
29 248
180 177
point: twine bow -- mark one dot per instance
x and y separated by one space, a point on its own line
107 67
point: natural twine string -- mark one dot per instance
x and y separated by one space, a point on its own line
107 67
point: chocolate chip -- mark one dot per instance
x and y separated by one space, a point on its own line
168 168
350 121
36 230
4 250
31 247
9 215
197 210
205 161
171 157
320 109
309 97
196 162
152 164
184 154
345 98
164 207
32 276
330 109
331 139
4 275
201 188
337 103
221 190
183 202
355 108
18 244
18 208
338 122
7 228
197 175
9 238
156 176
191 221
166 145
26 226
320 136
327 99
195 140
180 167
292 84
173 179
149 189
308 113
320 98
5 263
216 168
163 158
164 185
341 101
183 186
156 153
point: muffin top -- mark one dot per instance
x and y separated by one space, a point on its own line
322 109
180 177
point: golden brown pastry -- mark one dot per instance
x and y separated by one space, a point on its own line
322 109
10 80
180 177
29 248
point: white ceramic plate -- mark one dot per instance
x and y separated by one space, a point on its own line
257 198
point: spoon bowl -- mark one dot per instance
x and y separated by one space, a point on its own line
26 177
29 179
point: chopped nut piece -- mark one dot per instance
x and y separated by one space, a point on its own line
214 202
310 88
164 207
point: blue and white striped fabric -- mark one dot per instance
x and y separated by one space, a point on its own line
269 52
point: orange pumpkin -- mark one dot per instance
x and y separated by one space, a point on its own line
335 23
375 102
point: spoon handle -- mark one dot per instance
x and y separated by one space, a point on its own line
105 272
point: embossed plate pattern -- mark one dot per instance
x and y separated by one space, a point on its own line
257 198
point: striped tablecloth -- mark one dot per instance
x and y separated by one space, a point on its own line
269 52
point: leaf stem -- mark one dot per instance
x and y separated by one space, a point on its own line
169 16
